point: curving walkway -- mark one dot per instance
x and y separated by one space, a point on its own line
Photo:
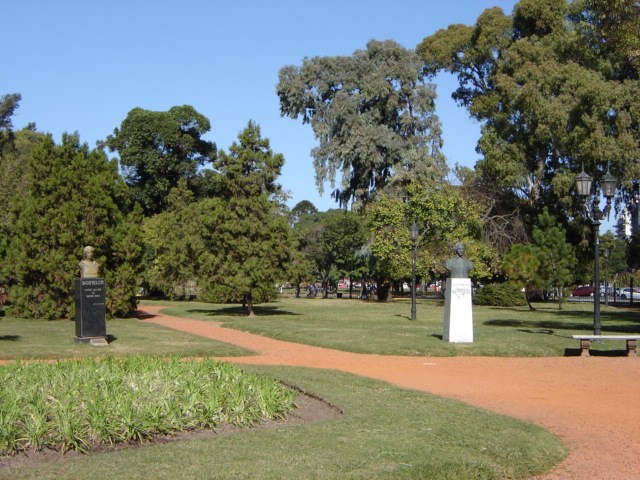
592 404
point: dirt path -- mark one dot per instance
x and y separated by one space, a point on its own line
592 404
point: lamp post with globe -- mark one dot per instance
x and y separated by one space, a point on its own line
583 185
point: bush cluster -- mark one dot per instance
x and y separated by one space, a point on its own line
500 295
80 404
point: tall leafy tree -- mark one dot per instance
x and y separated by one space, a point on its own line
177 240
612 27
330 241
250 237
75 198
549 99
157 149
618 257
302 208
13 165
373 116
14 153
444 217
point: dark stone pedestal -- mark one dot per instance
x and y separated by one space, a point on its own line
91 319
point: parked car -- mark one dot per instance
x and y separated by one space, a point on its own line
583 291
625 293
606 290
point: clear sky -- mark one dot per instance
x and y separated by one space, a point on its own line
82 65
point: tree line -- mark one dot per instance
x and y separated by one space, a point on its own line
554 85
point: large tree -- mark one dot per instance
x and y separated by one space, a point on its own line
612 27
330 240
15 148
157 149
75 198
444 217
250 242
176 241
373 116
548 98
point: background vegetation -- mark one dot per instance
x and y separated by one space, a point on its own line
553 84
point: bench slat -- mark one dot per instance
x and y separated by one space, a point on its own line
606 337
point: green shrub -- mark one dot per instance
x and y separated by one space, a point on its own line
79 404
500 295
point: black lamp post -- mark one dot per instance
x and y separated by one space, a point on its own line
414 231
595 215
605 255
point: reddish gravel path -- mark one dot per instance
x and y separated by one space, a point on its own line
592 404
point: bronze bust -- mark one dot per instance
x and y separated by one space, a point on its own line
458 266
88 266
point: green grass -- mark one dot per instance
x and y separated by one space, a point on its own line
385 328
30 339
385 432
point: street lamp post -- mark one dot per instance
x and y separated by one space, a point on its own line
595 215
605 255
414 231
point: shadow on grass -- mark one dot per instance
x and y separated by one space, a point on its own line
240 311
549 326
10 338
613 313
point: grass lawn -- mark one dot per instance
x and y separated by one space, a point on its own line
385 432
385 328
29 339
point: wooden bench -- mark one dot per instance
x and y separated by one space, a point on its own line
585 342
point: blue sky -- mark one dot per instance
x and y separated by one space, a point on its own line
82 65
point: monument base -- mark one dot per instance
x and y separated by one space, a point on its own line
458 314
93 341
90 302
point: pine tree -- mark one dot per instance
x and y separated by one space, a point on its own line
556 255
250 243
75 198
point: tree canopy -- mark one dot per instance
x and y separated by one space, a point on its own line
549 100
8 105
329 240
373 116
157 149
444 217
75 198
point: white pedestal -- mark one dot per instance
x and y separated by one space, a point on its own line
458 315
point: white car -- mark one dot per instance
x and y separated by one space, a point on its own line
625 293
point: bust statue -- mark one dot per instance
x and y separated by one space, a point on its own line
88 266
458 266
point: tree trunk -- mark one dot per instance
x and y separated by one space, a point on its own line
385 294
526 295
249 303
